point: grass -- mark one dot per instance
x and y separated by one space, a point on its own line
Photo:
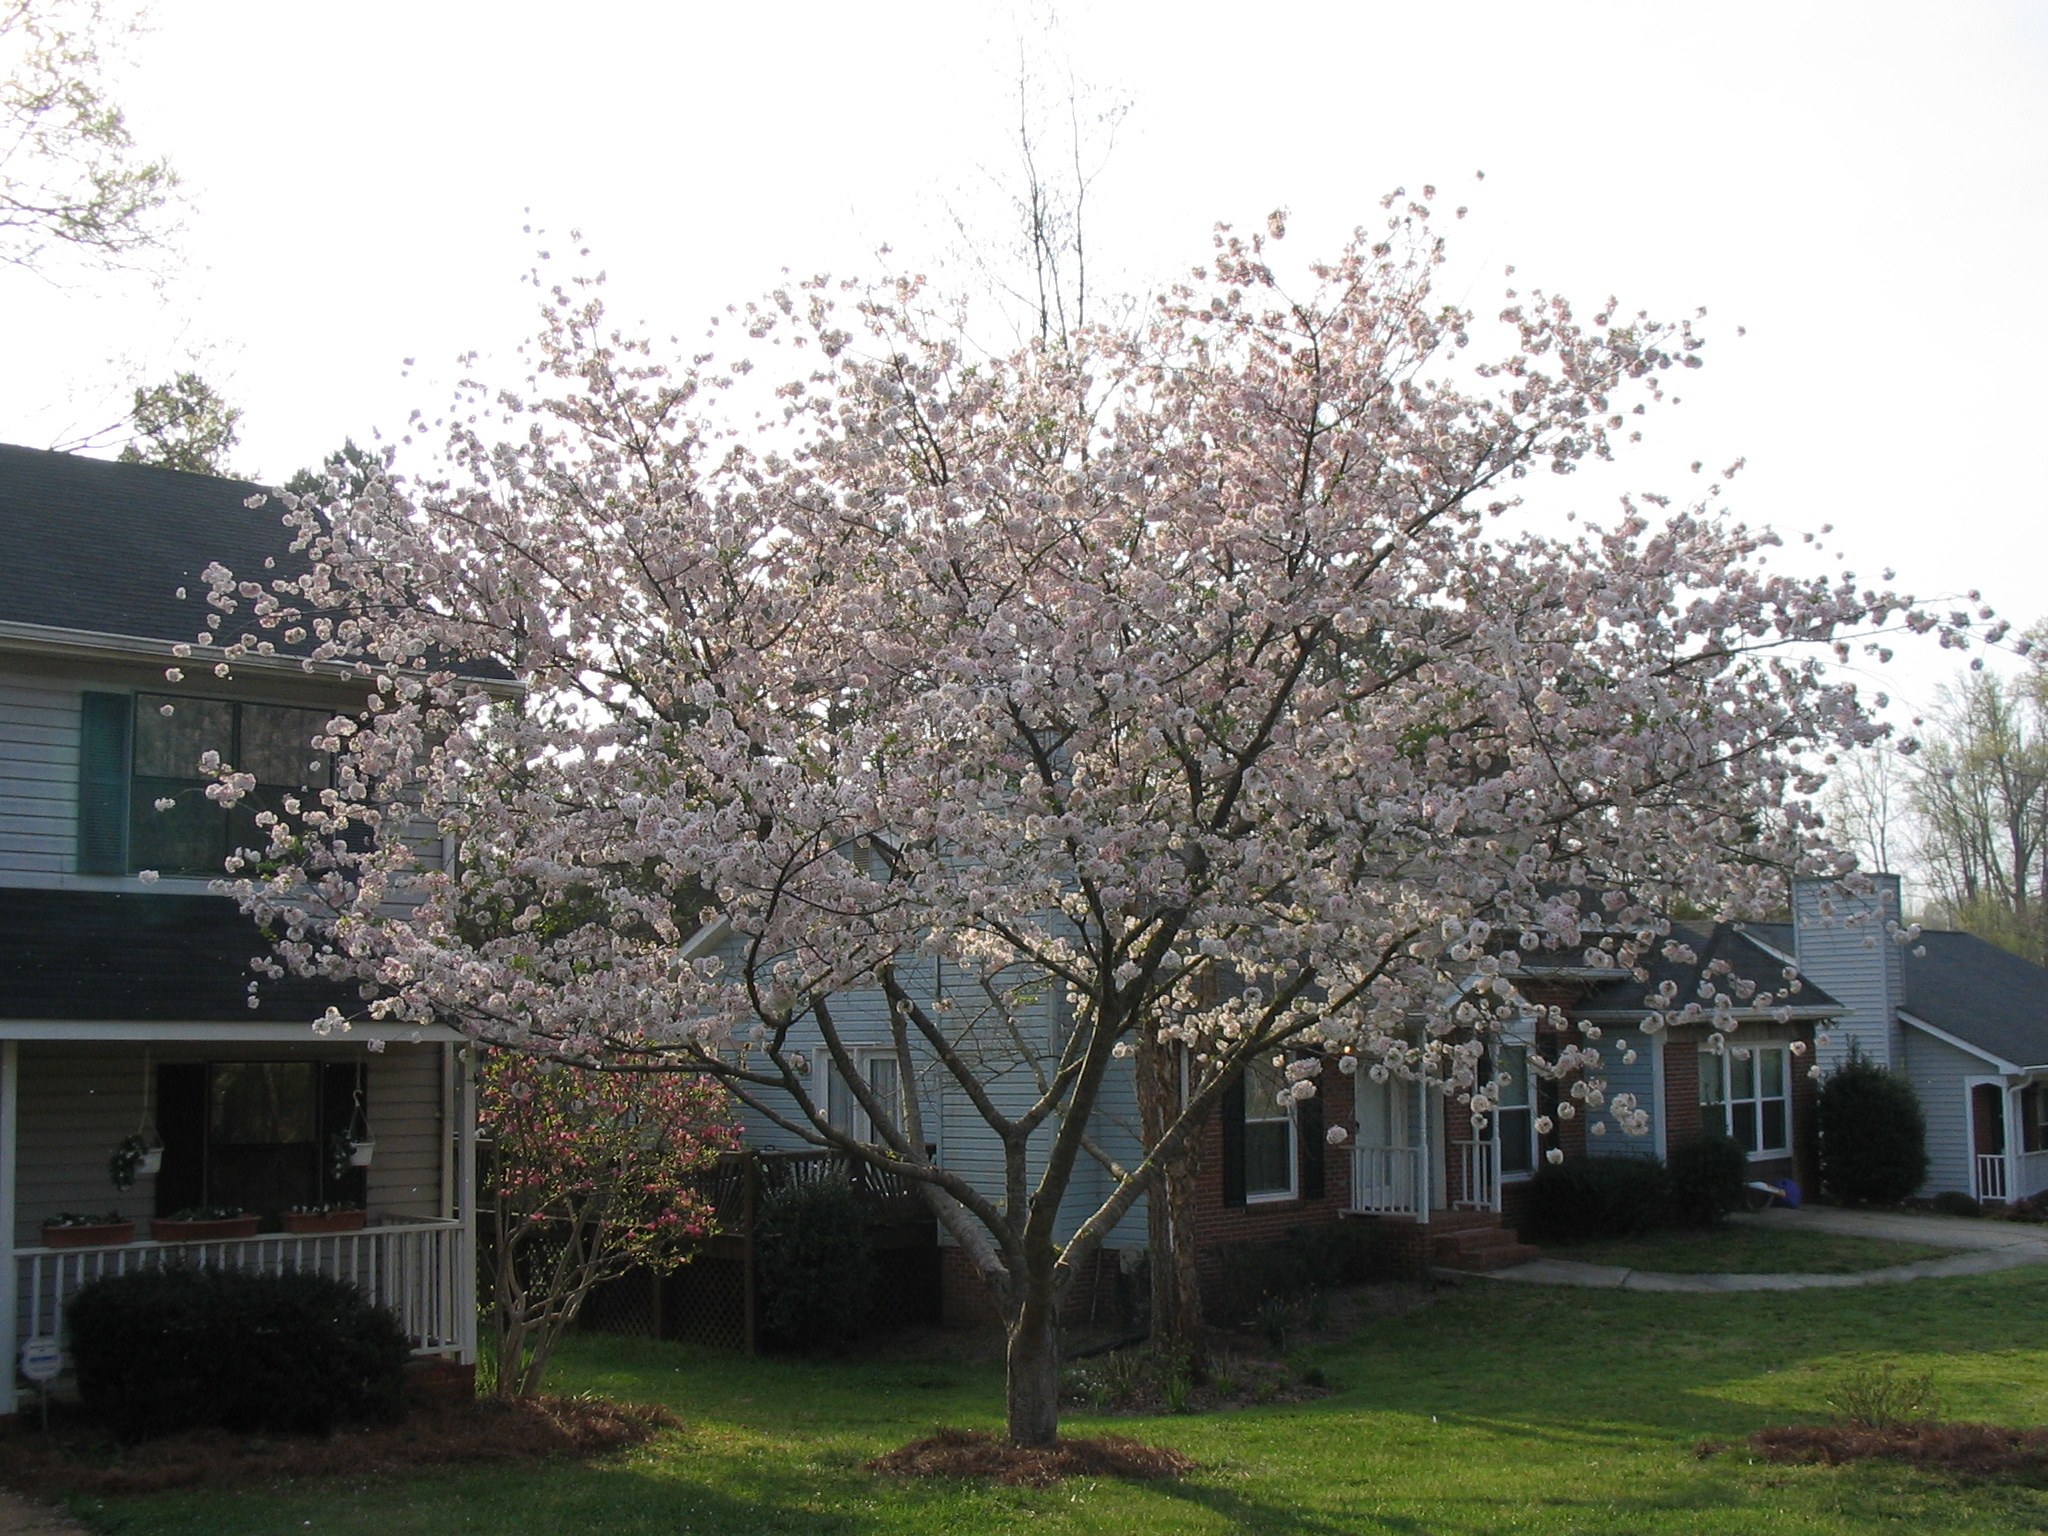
1497 1409
1739 1250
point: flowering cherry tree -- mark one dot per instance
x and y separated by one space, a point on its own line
591 1174
1208 677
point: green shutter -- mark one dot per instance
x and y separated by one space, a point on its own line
103 727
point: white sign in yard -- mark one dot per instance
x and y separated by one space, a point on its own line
41 1360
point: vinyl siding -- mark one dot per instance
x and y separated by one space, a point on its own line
1639 1078
78 1100
1854 963
38 774
1939 1071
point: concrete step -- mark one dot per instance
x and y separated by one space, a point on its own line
1478 1248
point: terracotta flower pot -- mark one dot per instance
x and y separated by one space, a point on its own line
103 1234
165 1230
307 1222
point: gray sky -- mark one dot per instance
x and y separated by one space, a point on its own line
1863 187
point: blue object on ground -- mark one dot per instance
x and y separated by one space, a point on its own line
1788 1191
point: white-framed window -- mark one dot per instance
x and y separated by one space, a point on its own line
1269 1151
1515 1118
1747 1091
879 1072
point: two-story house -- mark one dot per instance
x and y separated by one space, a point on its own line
132 1023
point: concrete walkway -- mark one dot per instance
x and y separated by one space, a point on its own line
1981 1247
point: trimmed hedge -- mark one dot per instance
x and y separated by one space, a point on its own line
814 1265
1873 1137
1707 1178
1587 1198
164 1350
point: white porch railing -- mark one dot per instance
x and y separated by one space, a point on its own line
1389 1181
410 1267
1477 1166
2032 1174
1991 1179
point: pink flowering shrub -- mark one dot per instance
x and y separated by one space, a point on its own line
589 1175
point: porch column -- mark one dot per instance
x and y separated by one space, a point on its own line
10 1272
2015 1145
465 1194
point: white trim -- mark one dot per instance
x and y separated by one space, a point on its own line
10 1122
1971 1083
705 939
52 640
1770 949
465 1180
294 1034
1946 1038
1659 1105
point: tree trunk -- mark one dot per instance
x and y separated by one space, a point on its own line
1033 1364
1176 1291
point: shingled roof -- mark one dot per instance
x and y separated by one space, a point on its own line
1980 993
104 548
145 956
1745 959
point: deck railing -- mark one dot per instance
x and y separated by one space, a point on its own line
2033 1174
408 1266
1389 1181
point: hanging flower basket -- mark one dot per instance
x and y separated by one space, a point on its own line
137 1156
360 1153
204 1225
68 1231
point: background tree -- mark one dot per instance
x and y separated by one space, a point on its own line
347 471
70 175
589 1175
1081 678
183 424
1979 791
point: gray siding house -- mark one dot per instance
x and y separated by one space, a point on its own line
128 1004
1964 1020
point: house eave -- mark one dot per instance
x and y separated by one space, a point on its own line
204 1031
52 640
1993 1058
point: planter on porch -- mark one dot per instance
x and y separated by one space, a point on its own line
202 1229
87 1234
307 1223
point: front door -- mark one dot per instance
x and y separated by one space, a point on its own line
1987 1140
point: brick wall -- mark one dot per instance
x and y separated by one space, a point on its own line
965 1300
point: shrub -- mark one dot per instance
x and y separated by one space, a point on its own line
1953 1202
1588 1198
813 1264
1878 1397
162 1350
1873 1138
1706 1178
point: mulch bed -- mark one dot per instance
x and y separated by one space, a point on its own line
77 1457
1991 1451
979 1456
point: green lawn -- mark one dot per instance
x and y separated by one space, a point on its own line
1500 1408
1738 1250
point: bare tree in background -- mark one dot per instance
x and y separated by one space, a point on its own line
1979 794
70 175
1869 806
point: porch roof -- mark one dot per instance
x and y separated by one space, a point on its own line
1987 996
144 956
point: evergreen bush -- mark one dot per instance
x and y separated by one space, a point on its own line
1707 1177
1588 1198
163 1350
1873 1137
813 1264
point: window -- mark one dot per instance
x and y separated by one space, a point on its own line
878 1071
1515 1119
258 1135
1269 1153
1746 1090
195 835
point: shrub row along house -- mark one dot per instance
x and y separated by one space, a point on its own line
132 1026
